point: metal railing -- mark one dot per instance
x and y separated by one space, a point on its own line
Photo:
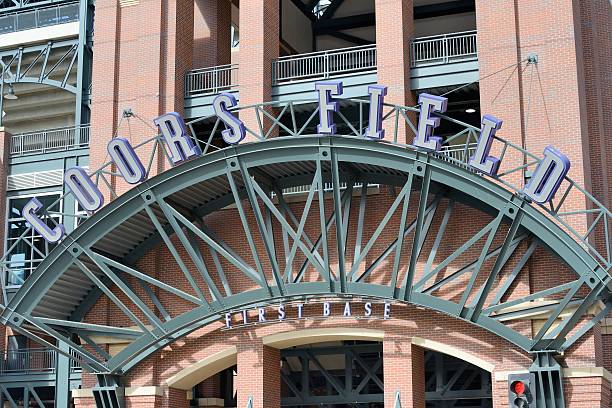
324 64
439 49
75 364
211 80
458 154
39 17
27 361
51 140
34 360
443 49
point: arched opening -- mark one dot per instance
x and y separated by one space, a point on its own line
217 391
339 374
452 382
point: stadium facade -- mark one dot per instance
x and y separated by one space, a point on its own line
306 203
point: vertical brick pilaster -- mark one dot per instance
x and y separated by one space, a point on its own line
595 37
259 46
498 48
536 111
211 33
394 30
258 375
587 392
174 398
404 372
138 66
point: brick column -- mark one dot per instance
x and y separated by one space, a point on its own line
138 66
509 32
258 375
501 94
259 46
174 398
587 392
394 30
404 371
211 33
595 36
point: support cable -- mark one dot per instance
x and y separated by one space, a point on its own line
543 100
515 66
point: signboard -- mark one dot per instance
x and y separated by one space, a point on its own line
540 189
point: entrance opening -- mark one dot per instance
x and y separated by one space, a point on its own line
217 391
341 374
451 382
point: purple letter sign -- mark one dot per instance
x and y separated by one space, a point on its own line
548 176
429 103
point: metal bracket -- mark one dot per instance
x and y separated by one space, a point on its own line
549 380
109 393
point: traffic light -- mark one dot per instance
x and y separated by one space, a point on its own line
521 390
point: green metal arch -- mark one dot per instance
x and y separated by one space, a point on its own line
399 162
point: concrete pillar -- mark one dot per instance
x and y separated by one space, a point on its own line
259 46
258 375
394 30
404 372
138 66
211 33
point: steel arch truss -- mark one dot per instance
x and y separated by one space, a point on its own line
13 5
442 237
53 64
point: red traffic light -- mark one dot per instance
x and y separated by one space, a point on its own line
518 387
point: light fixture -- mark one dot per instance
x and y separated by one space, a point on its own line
470 110
11 93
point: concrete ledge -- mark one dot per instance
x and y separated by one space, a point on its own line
211 402
606 326
310 336
452 351
581 372
129 392
190 376
574 372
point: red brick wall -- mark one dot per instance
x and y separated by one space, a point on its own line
138 66
259 46
403 365
394 31
258 373
573 80
212 33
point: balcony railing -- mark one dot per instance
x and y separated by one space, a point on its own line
52 140
439 49
213 80
28 361
35 360
443 49
324 64
39 17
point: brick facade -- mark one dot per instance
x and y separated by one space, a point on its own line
561 101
